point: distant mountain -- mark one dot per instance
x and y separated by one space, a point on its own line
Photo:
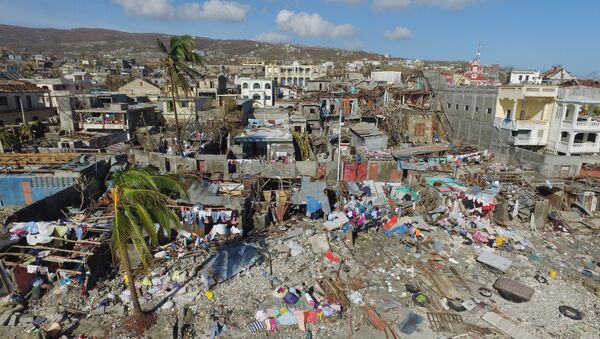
95 41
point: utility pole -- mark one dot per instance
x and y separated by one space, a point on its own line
339 155
22 111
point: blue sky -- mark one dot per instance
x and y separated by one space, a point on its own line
521 33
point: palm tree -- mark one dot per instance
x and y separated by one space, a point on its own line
178 75
140 198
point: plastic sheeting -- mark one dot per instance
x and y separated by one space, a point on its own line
230 261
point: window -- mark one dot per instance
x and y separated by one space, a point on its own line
449 105
419 130
520 77
456 106
256 85
245 97
256 97
184 104
267 86
476 108
527 78
466 107
245 85
489 111
267 97
3 101
28 99
18 101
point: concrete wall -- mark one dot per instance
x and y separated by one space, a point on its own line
471 114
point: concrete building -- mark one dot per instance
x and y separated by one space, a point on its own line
472 114
526 112
470 110
118 117
369 136
22 101
56 88
575 125
387 77
45 175
260 91
518 77
556 75
317 85
141 88
82 78
292 75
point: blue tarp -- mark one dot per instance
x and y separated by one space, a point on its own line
230 261
312 204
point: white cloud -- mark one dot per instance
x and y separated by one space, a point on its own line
273 38
398 33
215 10
165 10
311 25
381 5
158 9
347 2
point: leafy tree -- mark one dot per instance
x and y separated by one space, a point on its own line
178 75
140 198
8 139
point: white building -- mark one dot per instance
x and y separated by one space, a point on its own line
518 77
292 75
261 91
556 75
389 77
575 125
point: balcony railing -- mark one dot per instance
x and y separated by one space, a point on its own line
580 147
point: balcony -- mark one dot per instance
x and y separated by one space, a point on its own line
577 148
581 126
515 125
521 92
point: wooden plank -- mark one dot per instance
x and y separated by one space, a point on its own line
444 285
52 249
78 241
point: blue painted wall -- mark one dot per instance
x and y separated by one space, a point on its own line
13 193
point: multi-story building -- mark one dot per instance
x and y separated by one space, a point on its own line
526 112
292 75
118 117
261 91
22 101
575 125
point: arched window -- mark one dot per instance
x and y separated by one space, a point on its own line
256 85
267 86
256 97
245 85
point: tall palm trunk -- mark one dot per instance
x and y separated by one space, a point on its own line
135 302
177 130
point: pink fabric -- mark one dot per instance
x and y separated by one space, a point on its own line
273 325
300 316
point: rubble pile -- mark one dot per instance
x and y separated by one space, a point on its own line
434 256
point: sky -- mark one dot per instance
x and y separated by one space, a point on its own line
525 34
